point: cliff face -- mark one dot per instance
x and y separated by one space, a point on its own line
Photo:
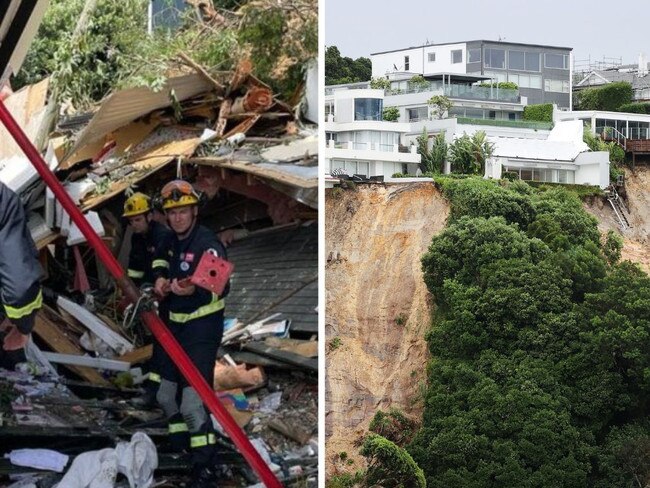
377 306
636 239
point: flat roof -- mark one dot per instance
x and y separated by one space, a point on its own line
505 43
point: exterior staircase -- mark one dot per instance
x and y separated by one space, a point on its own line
619 207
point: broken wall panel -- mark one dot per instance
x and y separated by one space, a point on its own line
28 107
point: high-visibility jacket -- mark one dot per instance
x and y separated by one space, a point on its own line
143 252
178 259
20 270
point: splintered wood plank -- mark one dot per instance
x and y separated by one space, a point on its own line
304 348
56 338
283 356
139 355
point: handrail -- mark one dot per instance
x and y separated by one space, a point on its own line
619 135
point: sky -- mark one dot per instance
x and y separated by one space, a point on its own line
601 30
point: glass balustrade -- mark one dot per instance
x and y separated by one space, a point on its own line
472 92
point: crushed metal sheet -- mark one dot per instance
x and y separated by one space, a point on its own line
125 106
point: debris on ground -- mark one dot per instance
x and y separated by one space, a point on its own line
254 157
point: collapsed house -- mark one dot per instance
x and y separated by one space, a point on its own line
255 160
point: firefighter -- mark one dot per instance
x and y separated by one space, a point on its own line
20 272
195 318
147 235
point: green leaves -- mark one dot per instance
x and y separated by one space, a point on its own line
389 465
469 154
390 114
340 70
432 159
540 370
608 97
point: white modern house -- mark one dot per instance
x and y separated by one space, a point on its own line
359 141
542 72
562 158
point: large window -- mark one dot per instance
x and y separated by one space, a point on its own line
474 55
350 167
523 60
543 174
526 81
558 86
495 58
456 56
558 61
329 109
431 57
416 114
407 63
391 168
368 108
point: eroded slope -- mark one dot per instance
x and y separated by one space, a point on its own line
378 308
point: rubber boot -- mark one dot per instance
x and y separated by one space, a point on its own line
179 436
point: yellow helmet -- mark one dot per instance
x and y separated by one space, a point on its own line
136 204
178 193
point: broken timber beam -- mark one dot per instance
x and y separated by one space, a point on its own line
288 357
90 362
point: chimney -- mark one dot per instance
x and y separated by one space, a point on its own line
643 65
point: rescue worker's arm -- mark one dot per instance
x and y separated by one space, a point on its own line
160 267
20 270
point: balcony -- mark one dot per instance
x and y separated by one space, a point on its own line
523 124
467 92
364 146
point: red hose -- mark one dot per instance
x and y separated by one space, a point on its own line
157 327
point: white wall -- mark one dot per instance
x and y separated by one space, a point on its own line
593 168
452 129
419 60
344 102
369 155
493 167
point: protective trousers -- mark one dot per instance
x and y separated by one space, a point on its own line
200 340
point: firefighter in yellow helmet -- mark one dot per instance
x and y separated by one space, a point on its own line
195 318
147 236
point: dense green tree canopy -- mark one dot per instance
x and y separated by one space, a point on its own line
540 370
340 69
113 49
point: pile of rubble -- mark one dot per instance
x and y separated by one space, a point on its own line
255 159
